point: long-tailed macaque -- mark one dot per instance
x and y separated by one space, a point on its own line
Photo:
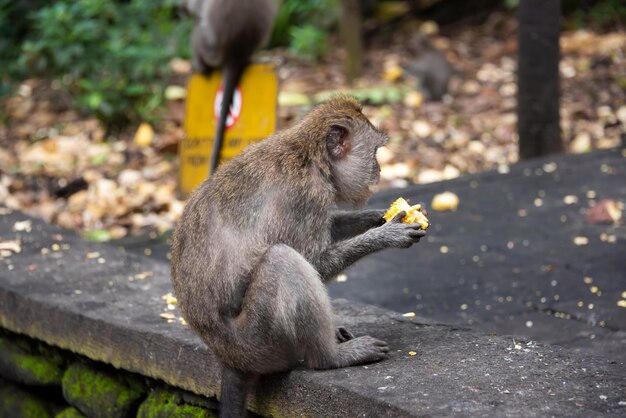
258 239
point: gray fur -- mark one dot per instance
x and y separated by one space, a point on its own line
259 237
227 30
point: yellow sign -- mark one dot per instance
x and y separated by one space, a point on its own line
252 118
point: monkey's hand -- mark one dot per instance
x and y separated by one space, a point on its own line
396 234
341 254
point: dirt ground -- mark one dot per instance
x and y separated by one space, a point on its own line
61 166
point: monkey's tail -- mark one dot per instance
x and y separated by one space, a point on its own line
235 388
232 74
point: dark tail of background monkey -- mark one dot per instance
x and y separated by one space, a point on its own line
231 76
235 388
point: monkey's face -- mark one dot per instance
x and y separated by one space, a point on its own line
352 145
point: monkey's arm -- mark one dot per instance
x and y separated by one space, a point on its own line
346 225
393 234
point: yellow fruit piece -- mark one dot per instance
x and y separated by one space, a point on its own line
445 201
413 213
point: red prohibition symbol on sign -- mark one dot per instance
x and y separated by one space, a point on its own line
235 107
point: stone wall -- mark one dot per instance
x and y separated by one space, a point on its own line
104 315
40 381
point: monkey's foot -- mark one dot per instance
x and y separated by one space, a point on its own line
343 335
362 350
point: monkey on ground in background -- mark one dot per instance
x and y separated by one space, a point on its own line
225 35
431 66
258 239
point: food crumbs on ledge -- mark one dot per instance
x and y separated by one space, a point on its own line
168 315
143 275
580 241
169 298
92 255
22 226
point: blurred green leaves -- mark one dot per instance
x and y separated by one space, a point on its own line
303 26
111 55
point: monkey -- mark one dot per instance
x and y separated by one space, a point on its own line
225 34
431 67
258 239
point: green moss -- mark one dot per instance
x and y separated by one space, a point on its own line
41 368
164 404
31 369
70 412
16 402
99 393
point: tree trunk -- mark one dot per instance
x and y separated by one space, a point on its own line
352 38
538 78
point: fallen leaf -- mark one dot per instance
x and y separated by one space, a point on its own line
144 135
10 246
175 93
413 99
22 226
607 211
580 241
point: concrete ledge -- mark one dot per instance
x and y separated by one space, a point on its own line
100 302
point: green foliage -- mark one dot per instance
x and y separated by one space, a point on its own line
303 25
112 55
602 13
308 42
607 12
13 27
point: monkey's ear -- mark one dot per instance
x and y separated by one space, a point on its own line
338 141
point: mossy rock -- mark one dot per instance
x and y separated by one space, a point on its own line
99 393
70 412
165 404
28 366
18 403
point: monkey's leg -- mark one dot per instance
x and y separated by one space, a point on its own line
287 300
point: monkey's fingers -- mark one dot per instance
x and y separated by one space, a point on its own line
417 235
415 226
384 347
399 216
